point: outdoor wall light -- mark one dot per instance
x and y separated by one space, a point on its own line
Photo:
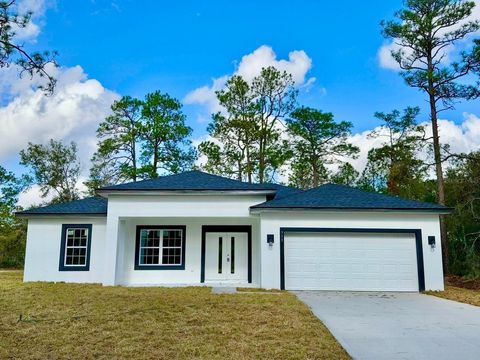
270 240
431 241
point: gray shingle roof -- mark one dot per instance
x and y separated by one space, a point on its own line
191 180
283 191
328 196
87 206
332 196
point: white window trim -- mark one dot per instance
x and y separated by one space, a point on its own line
75 247
160 247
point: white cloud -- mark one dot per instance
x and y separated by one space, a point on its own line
71 113
385 56
33 28
205 95
298 65
31 197
462 138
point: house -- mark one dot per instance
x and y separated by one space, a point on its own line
196 228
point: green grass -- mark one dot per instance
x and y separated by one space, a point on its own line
468 296
53 321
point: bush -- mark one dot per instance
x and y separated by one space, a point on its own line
12 247
464 254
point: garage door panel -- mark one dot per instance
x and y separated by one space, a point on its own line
363 262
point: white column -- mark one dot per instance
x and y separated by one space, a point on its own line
111 250
270 255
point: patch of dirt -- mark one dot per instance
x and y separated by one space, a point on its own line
460 282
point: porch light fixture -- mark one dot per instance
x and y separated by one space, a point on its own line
431 242
270 239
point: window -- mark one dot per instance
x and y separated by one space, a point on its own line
160 247
75 247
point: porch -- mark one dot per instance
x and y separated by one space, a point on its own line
184 251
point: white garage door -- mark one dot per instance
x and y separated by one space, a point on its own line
350 261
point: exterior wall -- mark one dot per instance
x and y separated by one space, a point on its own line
113 238
271 222
125 212
43 250
182 205
127 275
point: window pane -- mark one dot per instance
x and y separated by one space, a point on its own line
83 241
232 255
149 256
160 247
172 238
70 240
220 243
149 238
76 242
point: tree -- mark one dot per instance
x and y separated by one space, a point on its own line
317 140
55 168
463 193
13 52
247 137
116 159
424 31
235 153
274 98
12 229
346 175
103 172
10 188
395 167
165 137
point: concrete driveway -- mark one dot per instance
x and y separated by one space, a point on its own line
398 325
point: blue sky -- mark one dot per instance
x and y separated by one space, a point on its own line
134 47
113 48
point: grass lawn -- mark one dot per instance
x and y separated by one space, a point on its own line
469 296
51 321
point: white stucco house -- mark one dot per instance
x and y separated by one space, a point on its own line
196 228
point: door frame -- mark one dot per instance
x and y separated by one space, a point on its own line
227 228
416 232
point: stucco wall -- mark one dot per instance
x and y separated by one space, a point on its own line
113 239
127 275
43 250
271 222
124 212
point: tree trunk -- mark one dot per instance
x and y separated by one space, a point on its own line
315 174
249 165
439 174
261 162
155 161
134 161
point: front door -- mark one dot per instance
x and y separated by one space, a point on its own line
226 257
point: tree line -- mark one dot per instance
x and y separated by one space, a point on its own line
263 135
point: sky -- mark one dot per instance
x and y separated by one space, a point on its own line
334 50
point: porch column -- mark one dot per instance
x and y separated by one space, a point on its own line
111 251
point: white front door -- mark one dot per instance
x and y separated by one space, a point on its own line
226 257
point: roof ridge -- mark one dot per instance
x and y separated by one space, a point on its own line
194 180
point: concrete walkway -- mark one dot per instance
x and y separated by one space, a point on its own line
398 325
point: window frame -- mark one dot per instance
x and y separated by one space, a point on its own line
139 266
63 246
